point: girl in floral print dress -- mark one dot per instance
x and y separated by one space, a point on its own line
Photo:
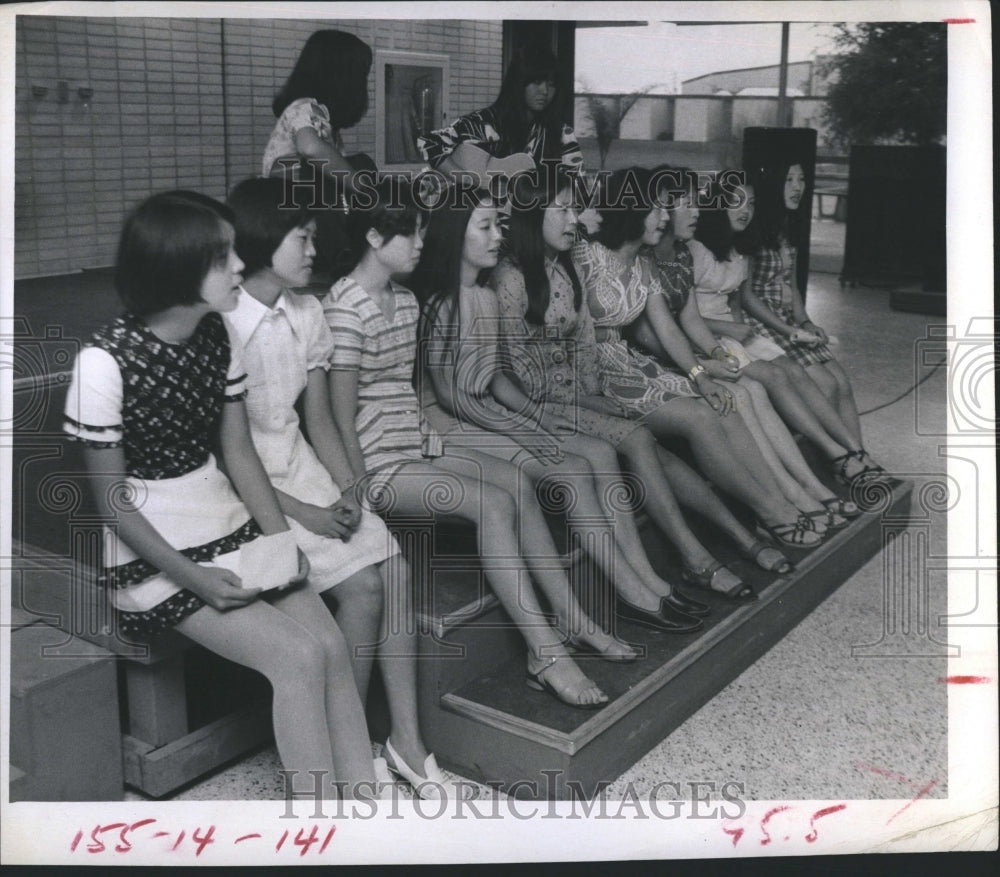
152 393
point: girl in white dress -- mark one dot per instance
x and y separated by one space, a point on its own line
355 563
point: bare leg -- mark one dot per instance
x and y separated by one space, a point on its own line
783 443
611 493
357 604
844 399
493 512
537 547
793 408
751 399
733 466
319 722
818 404
695 493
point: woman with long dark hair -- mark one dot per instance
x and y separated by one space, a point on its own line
773 301
522 122
326 92
720 252
619 284
462 331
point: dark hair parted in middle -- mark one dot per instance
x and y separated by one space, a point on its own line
262 218
530 64
714 229
527 244
333 69
774 220
168 245
628 201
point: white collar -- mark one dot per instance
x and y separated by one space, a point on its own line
249 313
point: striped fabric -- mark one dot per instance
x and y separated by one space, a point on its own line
383 353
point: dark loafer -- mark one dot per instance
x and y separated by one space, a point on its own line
683 603
666 619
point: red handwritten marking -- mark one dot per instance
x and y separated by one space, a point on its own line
161 834
246 837
959 20
819 814
180 837
281 841
918 796
736 833
306 841
964 680
76 841
329 837
774 811
204 840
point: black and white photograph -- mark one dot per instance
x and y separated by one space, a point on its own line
496 432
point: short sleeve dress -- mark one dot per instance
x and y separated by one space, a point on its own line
557 362
161 404
302 113
281 345
483 128
388 422
714 282
676 279
638 382
771 281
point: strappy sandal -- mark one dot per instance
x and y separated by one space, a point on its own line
843 507
869 470
537 680
824 517
703 578
795 535
782 566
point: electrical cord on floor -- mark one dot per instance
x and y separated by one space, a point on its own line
905 392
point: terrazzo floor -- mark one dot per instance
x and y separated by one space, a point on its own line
813 718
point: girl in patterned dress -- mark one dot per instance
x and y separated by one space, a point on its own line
522 121
326 92
152 393
461 330
773 302
725 358
721 275
621 286
355 563
404 467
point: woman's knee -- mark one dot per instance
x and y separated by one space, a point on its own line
497 505
363 590
639 444
304 655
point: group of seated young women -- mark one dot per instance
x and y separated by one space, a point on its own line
530 369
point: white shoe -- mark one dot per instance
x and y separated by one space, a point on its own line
432 786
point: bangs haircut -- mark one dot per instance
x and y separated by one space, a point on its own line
168 245
527 242
629 203
390 210
263 217
716 232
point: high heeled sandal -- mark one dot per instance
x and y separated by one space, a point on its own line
703 578
577 646
843 507
432 786
869 470
821 516
795 535
537 680
782 566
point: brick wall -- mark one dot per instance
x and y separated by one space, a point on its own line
176 103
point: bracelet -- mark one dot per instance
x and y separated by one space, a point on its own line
696 370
